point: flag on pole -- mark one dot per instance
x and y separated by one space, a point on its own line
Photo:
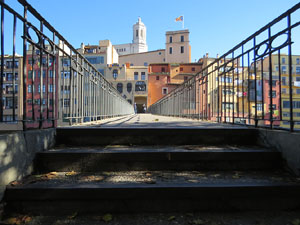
180 18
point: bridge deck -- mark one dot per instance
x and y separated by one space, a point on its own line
155 121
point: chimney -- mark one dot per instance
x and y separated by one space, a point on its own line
206 55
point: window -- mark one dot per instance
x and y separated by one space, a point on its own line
296 104
273 83
140 86
283 60
170 50
50 73
44 73
115 74
297 78
298 91
182 49
163 69
258 106
101 71
273 94
129 87
143 76
223 79
157 77
39 88
227 105
193 69
137 33
283 69
96 60
129 101
185 78
273 106
181 68
297 61
29 88
159 53
145 64
164 91
182 38
44 101
120 87
124 96
66 62
44 88
142 33
171 39
136 75
9 76
283 90
51 88
283 79
297 70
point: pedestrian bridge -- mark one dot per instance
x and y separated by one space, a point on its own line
239 114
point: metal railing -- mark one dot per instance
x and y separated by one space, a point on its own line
255 83
50 84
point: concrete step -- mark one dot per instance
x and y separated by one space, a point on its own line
159 191
127 158
77 136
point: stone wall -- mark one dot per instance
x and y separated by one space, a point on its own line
17 151
287 143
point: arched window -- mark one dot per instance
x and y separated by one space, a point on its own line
120 87
140 86
129 87
115 74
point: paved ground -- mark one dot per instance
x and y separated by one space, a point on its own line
155 121
200 218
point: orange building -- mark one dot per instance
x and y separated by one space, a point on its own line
164 78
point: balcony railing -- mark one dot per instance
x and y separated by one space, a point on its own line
202 96
85 95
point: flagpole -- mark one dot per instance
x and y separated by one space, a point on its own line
182 21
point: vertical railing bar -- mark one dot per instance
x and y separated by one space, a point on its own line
262 88
2 63
13 69
243 78
54 86
279 75
233 87
290 72
41 77
270 83
33 79
255 80
24 78
248 95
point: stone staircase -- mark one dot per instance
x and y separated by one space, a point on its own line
94 170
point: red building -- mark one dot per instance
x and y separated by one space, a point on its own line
41 96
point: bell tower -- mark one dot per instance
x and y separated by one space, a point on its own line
139 37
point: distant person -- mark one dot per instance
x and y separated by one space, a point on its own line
144 108
135 108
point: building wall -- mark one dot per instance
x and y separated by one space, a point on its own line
7 93
143 59
175 42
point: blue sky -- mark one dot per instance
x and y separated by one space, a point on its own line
215 26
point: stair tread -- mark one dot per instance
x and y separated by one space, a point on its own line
157 178
159 148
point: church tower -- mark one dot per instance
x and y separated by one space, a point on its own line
139 43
